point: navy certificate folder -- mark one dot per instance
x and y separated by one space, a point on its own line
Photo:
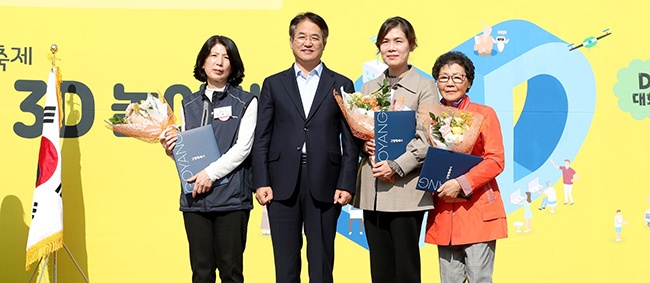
393 131
441 165
195 149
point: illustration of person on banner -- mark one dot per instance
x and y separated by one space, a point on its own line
569 176
468 215
46 229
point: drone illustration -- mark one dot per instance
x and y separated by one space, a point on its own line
590 42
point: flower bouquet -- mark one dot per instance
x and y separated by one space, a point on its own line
451 128
146 121
359 109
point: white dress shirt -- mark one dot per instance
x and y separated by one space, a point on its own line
307 87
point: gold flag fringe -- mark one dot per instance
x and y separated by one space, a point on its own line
43 248
59 96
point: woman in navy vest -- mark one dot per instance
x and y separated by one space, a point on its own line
216 213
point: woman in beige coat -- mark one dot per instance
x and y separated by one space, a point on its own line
393 213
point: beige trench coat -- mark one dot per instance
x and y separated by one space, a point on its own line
374 194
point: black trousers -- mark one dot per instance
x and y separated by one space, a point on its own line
287 218
394 243
217 241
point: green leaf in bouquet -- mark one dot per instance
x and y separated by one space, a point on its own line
436 122
116 120
383 95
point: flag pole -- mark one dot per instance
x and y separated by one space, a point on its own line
40 277
35 269
75 263
54 269
54 48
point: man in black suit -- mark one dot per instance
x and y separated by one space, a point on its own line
304 155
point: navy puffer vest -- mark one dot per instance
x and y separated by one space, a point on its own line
237 193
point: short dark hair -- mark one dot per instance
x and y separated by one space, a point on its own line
236 64
394 22
312 17
450 58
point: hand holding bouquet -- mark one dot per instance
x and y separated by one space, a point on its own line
146 121
451 128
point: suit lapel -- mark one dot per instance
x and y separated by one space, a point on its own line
291 88
325 84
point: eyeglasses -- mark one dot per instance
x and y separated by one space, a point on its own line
301 38
456 78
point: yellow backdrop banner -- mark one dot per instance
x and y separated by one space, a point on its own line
568 79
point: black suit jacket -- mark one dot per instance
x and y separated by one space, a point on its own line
282 128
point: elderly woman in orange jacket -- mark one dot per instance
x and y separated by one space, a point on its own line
466 230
